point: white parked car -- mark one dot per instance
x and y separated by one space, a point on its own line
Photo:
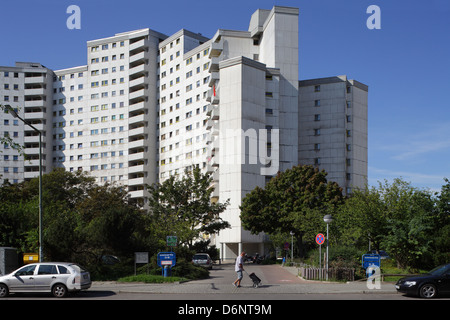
58 278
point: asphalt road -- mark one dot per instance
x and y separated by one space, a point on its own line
277 284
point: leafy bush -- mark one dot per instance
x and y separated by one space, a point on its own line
148 278
188 270
182 269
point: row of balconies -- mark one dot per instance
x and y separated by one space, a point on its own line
137 119
137 170
138 45
212 124
34 115
212 95
215 51
35 92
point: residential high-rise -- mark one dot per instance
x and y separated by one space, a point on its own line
332 129
27 88
105 113
149 106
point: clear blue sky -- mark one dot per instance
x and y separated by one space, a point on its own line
406 63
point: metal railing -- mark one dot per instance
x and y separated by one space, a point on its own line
340 274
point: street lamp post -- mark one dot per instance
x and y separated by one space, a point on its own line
292 245
328 219
15 115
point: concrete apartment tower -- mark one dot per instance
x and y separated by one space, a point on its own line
333 130
257 81
147 106
104 113
28 85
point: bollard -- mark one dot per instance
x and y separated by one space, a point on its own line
167 272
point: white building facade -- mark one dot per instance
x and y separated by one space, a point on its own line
149 106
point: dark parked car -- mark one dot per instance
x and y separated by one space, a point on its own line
428 285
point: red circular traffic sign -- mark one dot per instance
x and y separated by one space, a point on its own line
320 239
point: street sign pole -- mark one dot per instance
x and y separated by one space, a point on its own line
320 260
320 239
140 257
166 260
171 241
320 256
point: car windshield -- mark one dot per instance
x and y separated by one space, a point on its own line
200 257
440 270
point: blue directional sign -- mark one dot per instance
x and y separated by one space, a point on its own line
166 259
371 260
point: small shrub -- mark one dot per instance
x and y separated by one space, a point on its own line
148 278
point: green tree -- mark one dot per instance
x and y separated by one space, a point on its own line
295 200
110 222
397 217
410 222
362 218
81 220
17 216
440 251
183 207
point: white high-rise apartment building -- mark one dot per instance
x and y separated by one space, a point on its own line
104 114
149 106
28 86
333 129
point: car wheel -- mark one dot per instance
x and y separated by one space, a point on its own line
428 291
59 290
3 291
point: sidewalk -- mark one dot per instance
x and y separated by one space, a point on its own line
193 288
220 282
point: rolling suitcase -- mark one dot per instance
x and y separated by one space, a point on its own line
255 279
